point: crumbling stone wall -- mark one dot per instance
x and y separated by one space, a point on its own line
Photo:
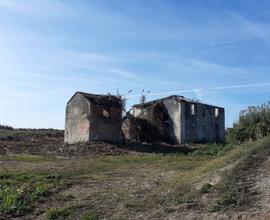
205 124
77 120
105 122
164 117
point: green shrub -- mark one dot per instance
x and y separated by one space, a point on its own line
40 190
206 188
253 124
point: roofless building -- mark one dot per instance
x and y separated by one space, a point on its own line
92 117
177 119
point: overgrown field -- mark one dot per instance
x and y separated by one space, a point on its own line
132 185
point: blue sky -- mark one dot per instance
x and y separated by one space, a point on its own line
212 50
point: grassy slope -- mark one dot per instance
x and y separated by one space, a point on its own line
236 191
121 187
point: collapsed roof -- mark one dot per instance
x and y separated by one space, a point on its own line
104 100
175 97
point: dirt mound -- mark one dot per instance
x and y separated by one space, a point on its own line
50 142
56 146
90 149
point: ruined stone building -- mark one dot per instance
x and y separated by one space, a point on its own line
92 117
175 119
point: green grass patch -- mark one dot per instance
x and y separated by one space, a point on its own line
90 215
18 200
27 158
59 213
65 197
13 201
212 150
19 192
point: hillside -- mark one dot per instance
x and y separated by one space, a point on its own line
40 178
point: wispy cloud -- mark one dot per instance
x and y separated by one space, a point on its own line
241 29
199 91
106 64
241 86
254 29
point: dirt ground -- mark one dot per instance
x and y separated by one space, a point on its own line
138 181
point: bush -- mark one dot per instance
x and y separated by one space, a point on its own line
253 124
206 188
